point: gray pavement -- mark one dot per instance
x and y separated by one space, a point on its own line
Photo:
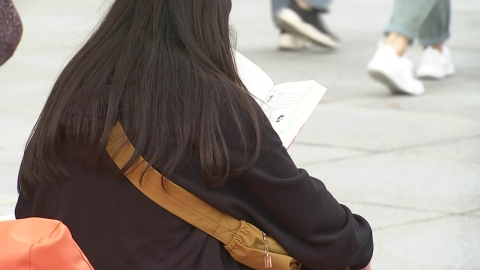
410 165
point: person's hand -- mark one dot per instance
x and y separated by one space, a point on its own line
369 267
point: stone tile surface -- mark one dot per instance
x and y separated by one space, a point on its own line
449 100
475 213
445 244
382 129
463 151
404 179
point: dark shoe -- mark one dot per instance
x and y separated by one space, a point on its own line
307 24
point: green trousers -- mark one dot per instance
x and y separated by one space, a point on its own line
427 19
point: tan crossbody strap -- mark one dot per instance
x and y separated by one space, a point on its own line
174 199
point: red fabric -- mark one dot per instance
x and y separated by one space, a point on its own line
39 244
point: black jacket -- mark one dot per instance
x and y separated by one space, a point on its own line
119 228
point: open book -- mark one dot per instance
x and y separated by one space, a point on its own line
288 105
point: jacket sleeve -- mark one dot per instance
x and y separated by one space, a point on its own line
300 213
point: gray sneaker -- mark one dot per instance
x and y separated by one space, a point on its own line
292 42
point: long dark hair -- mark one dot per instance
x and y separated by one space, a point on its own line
171 74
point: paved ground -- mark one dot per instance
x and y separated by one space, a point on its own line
411 166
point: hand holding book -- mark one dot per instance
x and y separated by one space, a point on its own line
288 106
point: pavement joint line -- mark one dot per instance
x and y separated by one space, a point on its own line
339 102
413 222
377 96
423 220
386 205
350 98
303 143
408 147
378 152
449 141
469 213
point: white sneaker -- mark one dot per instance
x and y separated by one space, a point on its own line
394 71
435 64
382 43
291 42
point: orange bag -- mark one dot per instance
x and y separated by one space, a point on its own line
39 244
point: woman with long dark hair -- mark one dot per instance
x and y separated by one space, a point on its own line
165 70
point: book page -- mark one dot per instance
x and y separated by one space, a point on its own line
258 83
289 106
